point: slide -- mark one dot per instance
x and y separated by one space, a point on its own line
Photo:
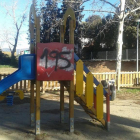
26 71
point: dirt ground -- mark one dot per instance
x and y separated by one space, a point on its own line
125 115
109 66
95 66
15 120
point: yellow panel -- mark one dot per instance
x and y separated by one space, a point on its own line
70 12
2 98
89 90
99 101
21 94
79 78
62 33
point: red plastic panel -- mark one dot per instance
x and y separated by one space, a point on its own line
55 61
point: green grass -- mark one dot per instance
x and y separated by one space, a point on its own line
6 66
129 90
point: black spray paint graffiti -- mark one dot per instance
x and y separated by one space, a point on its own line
57 55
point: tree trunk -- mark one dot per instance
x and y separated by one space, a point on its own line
13 58
15 44
119 52
120 43
12 53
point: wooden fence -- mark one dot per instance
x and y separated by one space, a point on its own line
128 79
24 84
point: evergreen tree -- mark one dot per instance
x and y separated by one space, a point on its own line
52 17
130 31
50 22
102 35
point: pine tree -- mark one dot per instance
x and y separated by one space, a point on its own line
52 17
50 22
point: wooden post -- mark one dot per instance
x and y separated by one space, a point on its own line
61 103
32 110
37 107
61 85
32 50
62 33
71 92
37 83
71 106
108 109
71 33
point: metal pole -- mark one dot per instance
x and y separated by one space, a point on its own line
137 50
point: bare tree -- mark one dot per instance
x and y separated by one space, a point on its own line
7 36
121 9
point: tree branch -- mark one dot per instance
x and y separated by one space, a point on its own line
132 11
97 11
10 43
84 2
109 3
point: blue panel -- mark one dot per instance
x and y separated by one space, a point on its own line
26 71
76 58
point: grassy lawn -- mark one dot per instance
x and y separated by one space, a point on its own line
6 66
132 90
7 69
129 93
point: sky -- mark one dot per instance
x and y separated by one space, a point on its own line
6 22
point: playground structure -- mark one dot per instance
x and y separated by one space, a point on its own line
57 61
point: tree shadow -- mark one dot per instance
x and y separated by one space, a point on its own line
16 119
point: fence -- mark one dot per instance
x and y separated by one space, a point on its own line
128 79
24 84
128 54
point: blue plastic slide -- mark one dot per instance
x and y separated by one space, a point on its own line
26 71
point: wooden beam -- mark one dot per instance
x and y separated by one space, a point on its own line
71 106
62 33
61 84
37 83
37 107
61 102
71 33
32 51
71 91
32 110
